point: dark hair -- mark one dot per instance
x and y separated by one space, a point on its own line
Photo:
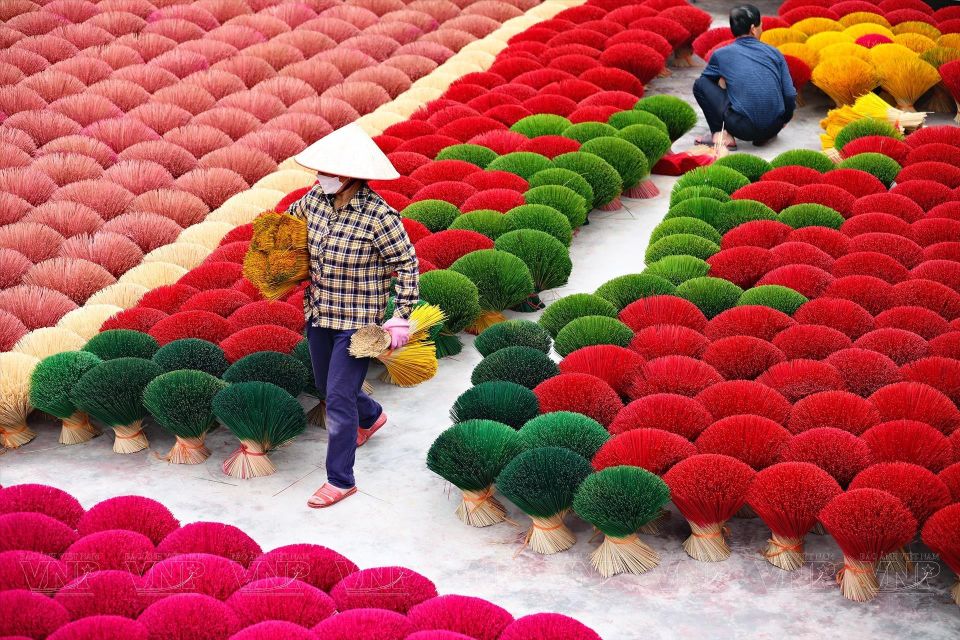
742 18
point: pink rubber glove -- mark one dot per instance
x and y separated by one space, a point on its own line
399 330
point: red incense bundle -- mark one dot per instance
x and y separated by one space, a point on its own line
942 534
867 525
708 489
754 440
787 497
839 453
919 489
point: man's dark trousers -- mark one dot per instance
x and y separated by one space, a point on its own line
716 109
348 407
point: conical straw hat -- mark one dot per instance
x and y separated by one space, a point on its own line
350 153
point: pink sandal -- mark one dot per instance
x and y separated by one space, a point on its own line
365 434
328 495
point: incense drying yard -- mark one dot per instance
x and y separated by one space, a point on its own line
654 393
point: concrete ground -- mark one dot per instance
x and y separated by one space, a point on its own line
404 513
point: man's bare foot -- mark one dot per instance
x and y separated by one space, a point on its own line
724 139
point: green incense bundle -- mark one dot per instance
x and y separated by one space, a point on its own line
264 417
182 403
542 483
112 392
50 386
618 501
469 455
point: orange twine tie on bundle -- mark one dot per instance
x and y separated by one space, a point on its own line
526 540
479 499
783 548
723 533
247 452
130 437
847 567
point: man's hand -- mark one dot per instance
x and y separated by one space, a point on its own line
722 82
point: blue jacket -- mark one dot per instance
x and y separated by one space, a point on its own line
759 85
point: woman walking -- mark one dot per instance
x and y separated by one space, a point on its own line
356 243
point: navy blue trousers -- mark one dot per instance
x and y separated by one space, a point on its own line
716 109
348 407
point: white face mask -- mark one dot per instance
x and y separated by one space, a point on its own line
330 185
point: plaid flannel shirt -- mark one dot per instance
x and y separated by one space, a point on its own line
353 254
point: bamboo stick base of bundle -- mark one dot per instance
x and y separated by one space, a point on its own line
784 553
77 429
187 451
318 415
858 580
549 535
248 461
643 190
15 436
897 562
480 508
623 555
655 526
130 438
707 543
484 321
955 592
367 388
614 205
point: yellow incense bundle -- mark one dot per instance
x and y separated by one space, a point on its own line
277 260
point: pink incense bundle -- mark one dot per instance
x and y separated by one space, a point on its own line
787 497
363 623
204 573
39 498
111 550
26 531
867 524
103 593
708 489
473 617
281 599
134 513
392 588
33 571
211 537
313 564
942 534
189 615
